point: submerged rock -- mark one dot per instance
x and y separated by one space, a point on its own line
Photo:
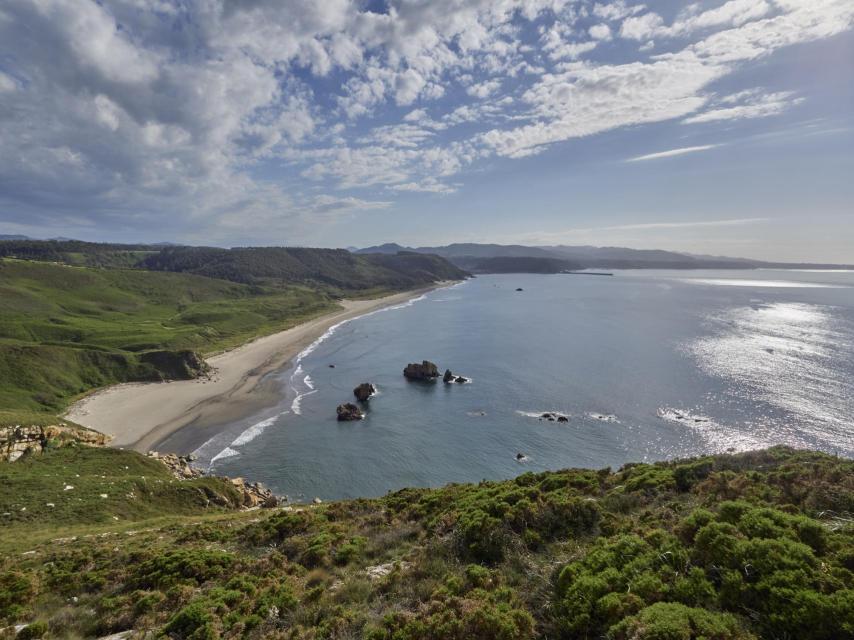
424 371
461 379
348 412
562 419
519 289
364 391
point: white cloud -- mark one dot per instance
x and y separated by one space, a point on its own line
642 27
600 32
143 112
484 89
673 152
649 226
753 106
616 10
730 14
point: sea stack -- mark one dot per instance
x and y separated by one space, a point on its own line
348 412
424 371
364 391
448 377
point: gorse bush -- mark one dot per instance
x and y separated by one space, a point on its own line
753 546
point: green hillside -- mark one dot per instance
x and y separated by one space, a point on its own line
734 547
65 330
336 269
138 313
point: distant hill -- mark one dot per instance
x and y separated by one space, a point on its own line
336 268
4 236
470 256
517 264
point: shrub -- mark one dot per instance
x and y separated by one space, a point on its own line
33 630
16 594
193 622
672 621
188 566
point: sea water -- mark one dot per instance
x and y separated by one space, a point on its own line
646 365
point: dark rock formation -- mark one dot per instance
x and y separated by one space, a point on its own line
461 379
364 391
520 456
348 412
448 377
176 365
519 289
562 419
424 371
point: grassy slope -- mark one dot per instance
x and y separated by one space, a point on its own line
66 330
36 505
756 545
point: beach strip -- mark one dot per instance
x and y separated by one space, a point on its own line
140 415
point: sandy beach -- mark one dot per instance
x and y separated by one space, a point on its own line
140 415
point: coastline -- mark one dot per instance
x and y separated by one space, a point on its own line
139 415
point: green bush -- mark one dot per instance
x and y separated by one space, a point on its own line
181 566
672 621
17 591
32 631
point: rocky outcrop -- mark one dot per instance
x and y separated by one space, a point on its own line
180 466
176 365
252 494
17 440
449 377
424 371
554 417
364 391
255 494
348 412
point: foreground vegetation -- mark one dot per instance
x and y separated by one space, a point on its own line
734 547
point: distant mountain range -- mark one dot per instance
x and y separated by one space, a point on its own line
496 258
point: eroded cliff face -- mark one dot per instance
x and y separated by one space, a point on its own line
16 440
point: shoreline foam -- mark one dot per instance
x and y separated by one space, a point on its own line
139 416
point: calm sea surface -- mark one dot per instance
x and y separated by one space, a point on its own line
647 365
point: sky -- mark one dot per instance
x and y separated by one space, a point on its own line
714 127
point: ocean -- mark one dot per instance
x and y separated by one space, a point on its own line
645 365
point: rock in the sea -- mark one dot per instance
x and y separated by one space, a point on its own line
364 391
349 411
461 379
520 456
519 289
448 377
424 371
562 419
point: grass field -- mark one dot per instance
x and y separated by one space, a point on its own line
66 330
78 488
